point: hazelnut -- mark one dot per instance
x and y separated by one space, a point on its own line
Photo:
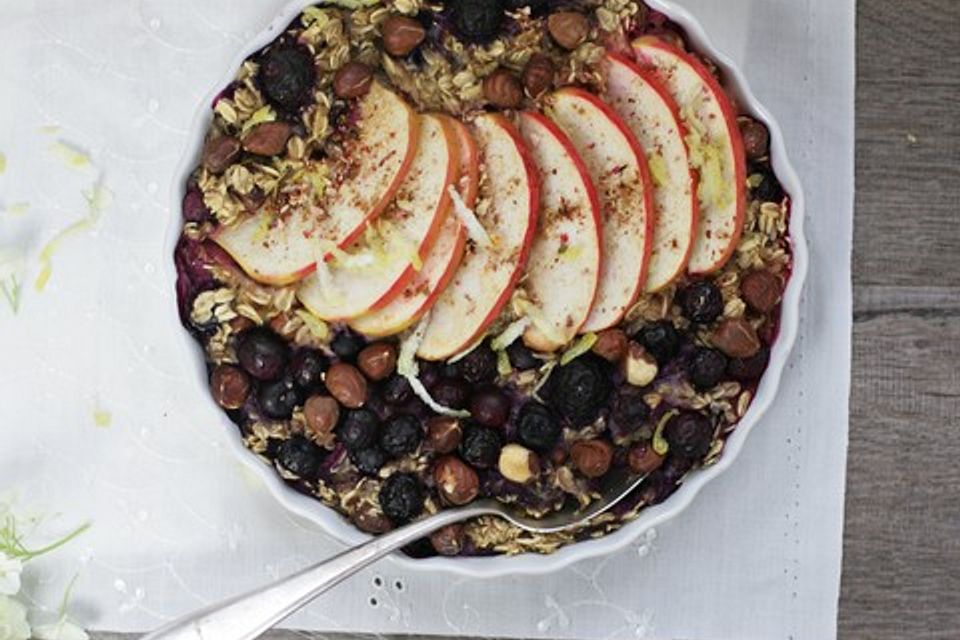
449 540
503 89
756 138
538 75
219 153
322 414
761 290
230 386
592 458
639 367
401 35
240 324
444 434
643 459
378 360
370 519
456 481
267 138
518 464
736 338
611 345
568 28
352 80
346 384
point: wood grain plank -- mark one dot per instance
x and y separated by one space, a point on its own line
902 548
908 143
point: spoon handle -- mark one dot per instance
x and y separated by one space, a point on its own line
247 616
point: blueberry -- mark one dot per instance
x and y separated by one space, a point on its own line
490 406
689 434
358 429
262 353
450 370
769 189
660 339
481 447
347 345
478 20
749 369
278 399
402 497
300 457
397 390
629 410
451 393
702 302
579 389
537 428
522 358
706 368
287 76
307 368
401 435
369 460
479 366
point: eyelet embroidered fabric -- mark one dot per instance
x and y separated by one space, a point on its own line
98 423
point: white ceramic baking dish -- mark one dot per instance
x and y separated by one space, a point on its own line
337 526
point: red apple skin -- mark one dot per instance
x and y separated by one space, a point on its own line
413 121
534 208
469 182
657 86
592 194
443 210
446 204
533 182
469 164
736 140
644 175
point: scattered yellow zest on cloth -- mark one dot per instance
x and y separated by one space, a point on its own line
18 208
102 418
98 200
70 155
12 264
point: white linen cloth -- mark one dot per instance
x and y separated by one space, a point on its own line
178 522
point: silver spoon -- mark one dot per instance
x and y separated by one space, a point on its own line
247 616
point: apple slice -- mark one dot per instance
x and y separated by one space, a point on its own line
280 250
442 262
378 267
375 161
273 250
563 272
506 215
637 96
619 171
716 149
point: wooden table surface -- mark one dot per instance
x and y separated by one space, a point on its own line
901 567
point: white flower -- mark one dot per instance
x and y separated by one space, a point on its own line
13 620
62 630
10 569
